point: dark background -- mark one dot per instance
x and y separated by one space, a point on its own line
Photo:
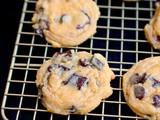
10 17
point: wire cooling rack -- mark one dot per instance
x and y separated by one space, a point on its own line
120 38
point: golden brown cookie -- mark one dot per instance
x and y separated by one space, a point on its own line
141 88
152 29
66 23
73 82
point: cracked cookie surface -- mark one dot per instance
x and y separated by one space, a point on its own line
66 23
141 88
74 82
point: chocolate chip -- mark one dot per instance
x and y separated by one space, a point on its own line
145 76
155 82
84 62
156 100
77 81
51 67
73 109
139 92
96 62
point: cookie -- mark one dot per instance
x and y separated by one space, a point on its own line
152 29
74 82
141 88
66 23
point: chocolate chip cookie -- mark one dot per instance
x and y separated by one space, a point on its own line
141 87
152 29
74 82
66 23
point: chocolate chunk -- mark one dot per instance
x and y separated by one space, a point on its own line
156 100
139 92
96 62
51 67
76 80
39 30
135 78
144 77
67 53
155 82
84 62
73 109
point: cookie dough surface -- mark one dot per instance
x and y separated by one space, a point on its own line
141 87
152 29
66 23
73 82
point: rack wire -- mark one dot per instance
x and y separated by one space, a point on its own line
120 38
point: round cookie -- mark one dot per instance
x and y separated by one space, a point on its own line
73 82
152 30
66 23
141 87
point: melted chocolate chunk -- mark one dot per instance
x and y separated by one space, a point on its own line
156 101
144 77
73 109
77 81
84 62
67 53
139 92
155 82
51 67
87 22
96 62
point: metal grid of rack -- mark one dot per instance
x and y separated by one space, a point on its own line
120 38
